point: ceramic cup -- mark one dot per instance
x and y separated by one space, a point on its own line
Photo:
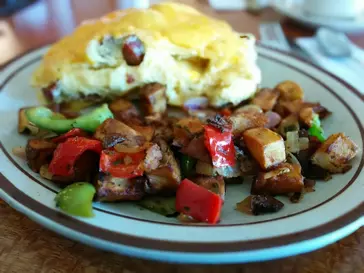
334 8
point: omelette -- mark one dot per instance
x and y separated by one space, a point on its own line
189 53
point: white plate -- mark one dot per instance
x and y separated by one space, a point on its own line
295 11
332 212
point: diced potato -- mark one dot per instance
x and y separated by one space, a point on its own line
286 107
266 98
289 91
192 124
266 146
154 98
246 120
125 111
335 153
111 189
112 128
285 179
215 184
306 115
166 178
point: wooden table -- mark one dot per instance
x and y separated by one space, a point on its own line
27 247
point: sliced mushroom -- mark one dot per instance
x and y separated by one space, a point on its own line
39 152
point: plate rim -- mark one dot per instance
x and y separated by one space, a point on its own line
336 224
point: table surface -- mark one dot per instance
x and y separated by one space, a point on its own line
27 247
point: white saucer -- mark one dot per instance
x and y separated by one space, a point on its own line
294 10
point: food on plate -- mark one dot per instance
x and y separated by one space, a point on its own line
76 199
169 46
176 163
161 107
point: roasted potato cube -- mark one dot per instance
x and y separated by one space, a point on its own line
147 131
215 184
285 179
246 120
248 108
153 158
166 178
112 131
289 91
266 146
335 153
153 98
192 125
111 189
266 98
39 152
125 111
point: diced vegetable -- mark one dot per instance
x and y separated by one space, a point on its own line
129 140
259 204
289 124
153 98
166 178
215 184
66 154
44 118
205 168
246 120
335 153
286 178
289 91
266 98
111 189
122 165
153 158
252 108
196 149
265 204
220 146
187 164
316 129
24 125
306 115
71 133
125 111
92 120
165 206
198 202
273 119
292 143
76 199
266 146
39 152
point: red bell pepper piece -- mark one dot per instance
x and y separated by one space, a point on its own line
71 133
123 165
220 145
198 202
66 154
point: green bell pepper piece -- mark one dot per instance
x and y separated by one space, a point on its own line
187 164
44 118
316 129
91 121
165 206
76 199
